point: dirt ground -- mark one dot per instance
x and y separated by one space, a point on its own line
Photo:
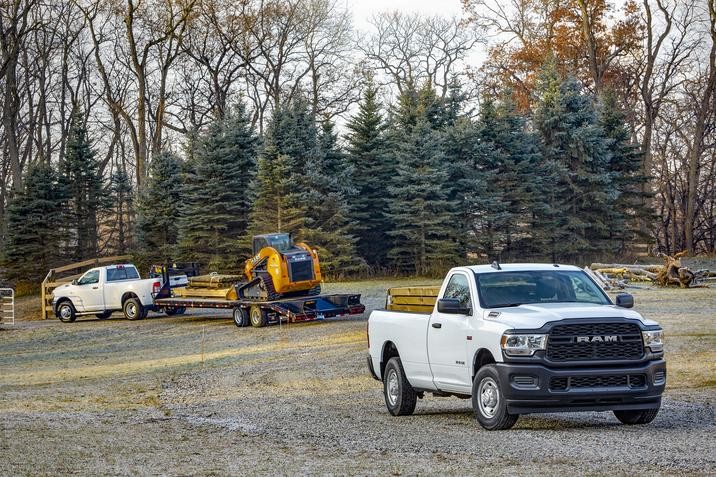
195 395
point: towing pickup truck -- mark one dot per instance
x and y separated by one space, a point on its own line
520 339
103 290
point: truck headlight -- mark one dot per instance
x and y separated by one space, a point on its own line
523 345
654 339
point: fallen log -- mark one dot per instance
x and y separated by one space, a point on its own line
675 274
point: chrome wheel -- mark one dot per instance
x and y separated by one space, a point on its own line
131 310
65 312
489 397
392 387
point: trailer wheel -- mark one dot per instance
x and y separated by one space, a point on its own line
133 309
258 316
104 316
181 310
66 312
241 317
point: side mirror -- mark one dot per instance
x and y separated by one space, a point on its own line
74 282
625 300
452 306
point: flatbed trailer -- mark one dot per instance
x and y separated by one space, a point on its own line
261 313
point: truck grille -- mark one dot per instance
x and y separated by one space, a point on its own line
595 341
301 270
562 383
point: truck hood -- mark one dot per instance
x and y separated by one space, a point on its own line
536 315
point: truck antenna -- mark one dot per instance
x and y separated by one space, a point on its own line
496 265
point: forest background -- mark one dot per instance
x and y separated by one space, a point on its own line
174 130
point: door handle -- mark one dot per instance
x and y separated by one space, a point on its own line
95 288
437 325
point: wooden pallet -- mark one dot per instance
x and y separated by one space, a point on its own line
420 299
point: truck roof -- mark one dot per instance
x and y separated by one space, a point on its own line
521 267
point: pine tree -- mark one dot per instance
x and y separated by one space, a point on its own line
329 223
217 202
32 243
158 210
508 180
575 145
281 187
424 218
627 179
80 177
118 220
372 169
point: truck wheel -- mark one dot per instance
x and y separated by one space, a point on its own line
133 309
241 317
104 316
488 401
258 316
644 416
400 397
66 312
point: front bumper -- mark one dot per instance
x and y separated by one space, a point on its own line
533 388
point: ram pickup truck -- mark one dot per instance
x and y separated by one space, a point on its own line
103 290
520 339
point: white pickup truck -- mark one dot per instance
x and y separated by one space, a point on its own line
103 290
519 339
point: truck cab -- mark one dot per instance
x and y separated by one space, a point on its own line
103 290
521 339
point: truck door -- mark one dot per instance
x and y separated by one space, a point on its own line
447 339
90 292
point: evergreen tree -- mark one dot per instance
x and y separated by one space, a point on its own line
282 187
507 181
158 210
328 225
424 218
32 243
372 169
216 209
80 177
627 179
573 145
119 213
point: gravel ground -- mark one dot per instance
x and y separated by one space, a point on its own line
196 395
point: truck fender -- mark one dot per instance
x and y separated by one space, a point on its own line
127 296
389 351
482 357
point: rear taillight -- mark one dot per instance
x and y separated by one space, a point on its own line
156 287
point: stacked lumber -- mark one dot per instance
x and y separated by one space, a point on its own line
419 299
214 280
672 273
214 285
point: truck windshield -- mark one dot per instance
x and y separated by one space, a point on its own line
502 289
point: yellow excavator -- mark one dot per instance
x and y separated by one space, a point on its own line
280 268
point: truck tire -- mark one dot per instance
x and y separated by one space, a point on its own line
400 397
104 316
133 309
488 401
241 317
66 311
643 416
258 316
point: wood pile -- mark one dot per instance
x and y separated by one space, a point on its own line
672 273
215 280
